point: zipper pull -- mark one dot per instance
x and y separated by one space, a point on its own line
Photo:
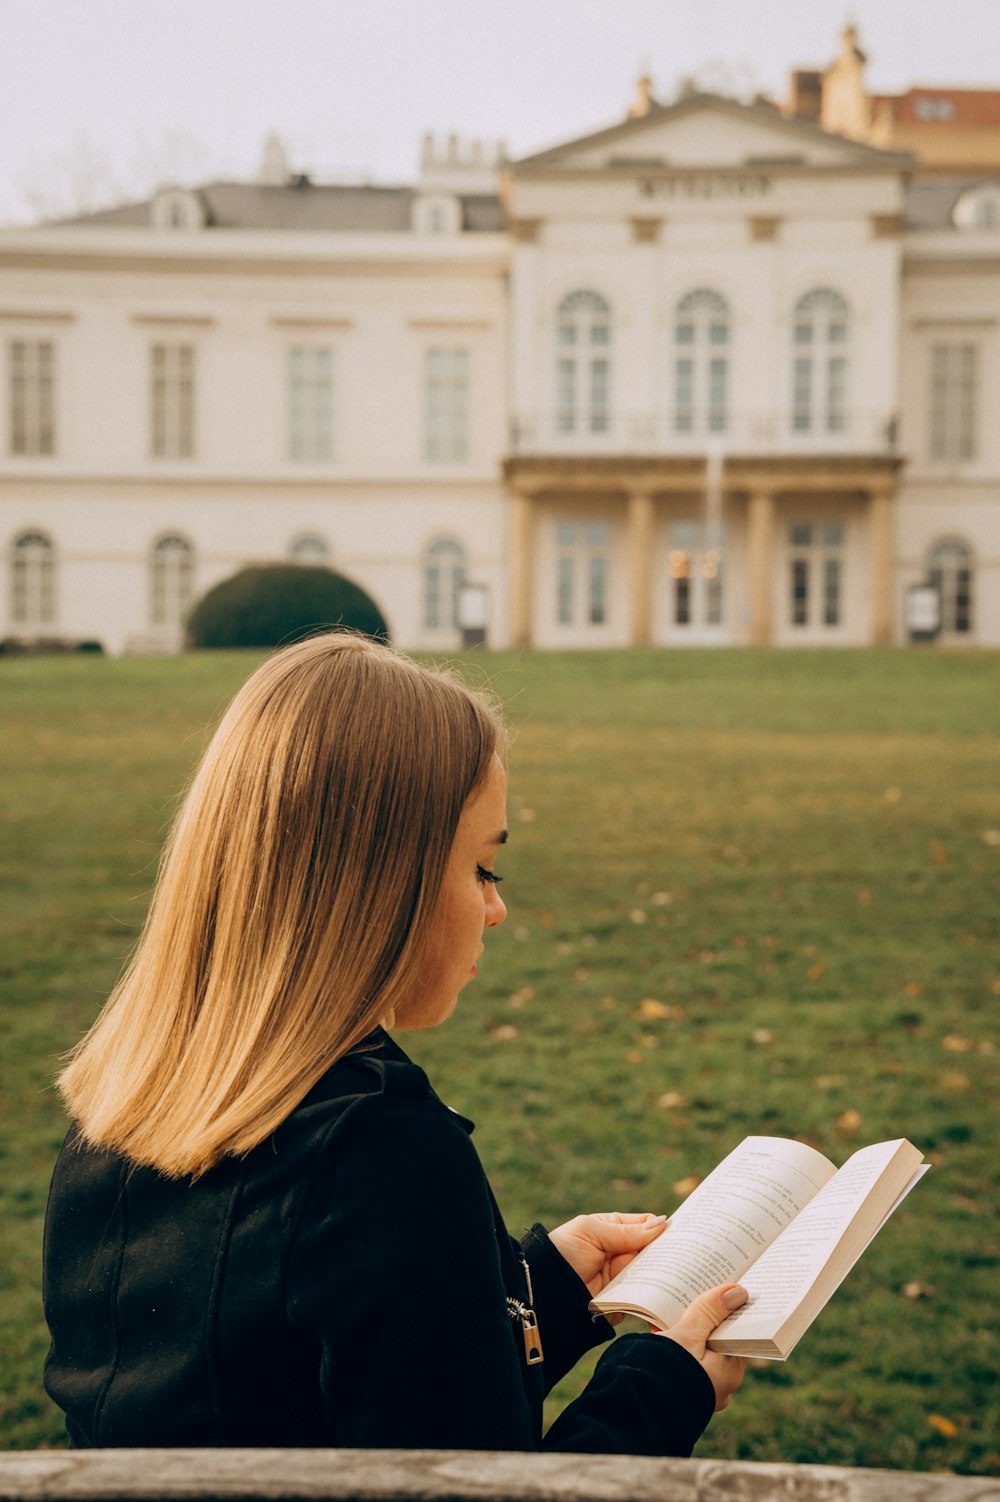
532 1339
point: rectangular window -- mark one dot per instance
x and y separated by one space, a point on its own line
566 396
836 394
310 403
684 396
583 565
954 389
831 591
172 394
599 396
564 609
446 406
597 589
802 395
717 380
32 396
800 591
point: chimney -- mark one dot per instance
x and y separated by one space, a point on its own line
805 94
273 171
643 101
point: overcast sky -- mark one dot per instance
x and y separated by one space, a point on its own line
114 93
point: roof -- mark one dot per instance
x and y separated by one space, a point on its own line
761 110
303 205
929 105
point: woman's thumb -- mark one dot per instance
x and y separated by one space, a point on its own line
709 1310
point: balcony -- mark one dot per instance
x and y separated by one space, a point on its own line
762 432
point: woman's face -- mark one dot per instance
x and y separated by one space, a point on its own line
468 904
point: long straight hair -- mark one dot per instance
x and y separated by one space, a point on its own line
292 903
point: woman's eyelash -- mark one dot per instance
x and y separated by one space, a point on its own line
485 875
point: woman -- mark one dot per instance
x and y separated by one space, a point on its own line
264 1227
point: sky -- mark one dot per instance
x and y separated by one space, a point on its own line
101 99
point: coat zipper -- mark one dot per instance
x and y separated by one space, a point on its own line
529 1321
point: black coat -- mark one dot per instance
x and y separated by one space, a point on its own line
346 1283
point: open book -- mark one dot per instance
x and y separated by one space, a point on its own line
777 1217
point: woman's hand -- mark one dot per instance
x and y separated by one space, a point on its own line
695 1326
597 1247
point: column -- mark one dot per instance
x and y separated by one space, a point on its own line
640 568
882 551
760 549
522 526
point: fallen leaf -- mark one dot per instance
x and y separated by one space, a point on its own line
564 947
521 997
582 973
506 1032
913 988
951 1079
685 1186
828 1081
917 1291
671 1100
546 920
635 1056
609 1003
650 1010
848 1122
649 1040
817 971
991 836
662 899
954 1044
637 915
939 854
942 1425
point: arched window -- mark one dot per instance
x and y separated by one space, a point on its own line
950 570
583 364
310 549
33 580
819 363
444 575
701 363
171 581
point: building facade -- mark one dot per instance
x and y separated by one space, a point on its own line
714 375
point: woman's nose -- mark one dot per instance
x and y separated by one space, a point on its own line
496 908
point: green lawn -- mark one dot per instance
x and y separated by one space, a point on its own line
748 892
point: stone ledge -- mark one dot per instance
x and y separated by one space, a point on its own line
452 1476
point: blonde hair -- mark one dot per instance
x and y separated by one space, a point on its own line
292 903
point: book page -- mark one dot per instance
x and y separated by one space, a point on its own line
784 1274
722 1227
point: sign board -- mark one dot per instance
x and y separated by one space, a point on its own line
923 612
473 614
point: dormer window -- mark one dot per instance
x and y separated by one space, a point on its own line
979 208
436 214
177 208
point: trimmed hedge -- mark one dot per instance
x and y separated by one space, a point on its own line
269 605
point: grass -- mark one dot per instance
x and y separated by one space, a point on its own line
793 855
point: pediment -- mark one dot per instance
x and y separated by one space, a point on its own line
705 132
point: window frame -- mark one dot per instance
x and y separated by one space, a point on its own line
584 368
31 396
173 366
447 403
702 350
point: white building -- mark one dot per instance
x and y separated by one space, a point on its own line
711 375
